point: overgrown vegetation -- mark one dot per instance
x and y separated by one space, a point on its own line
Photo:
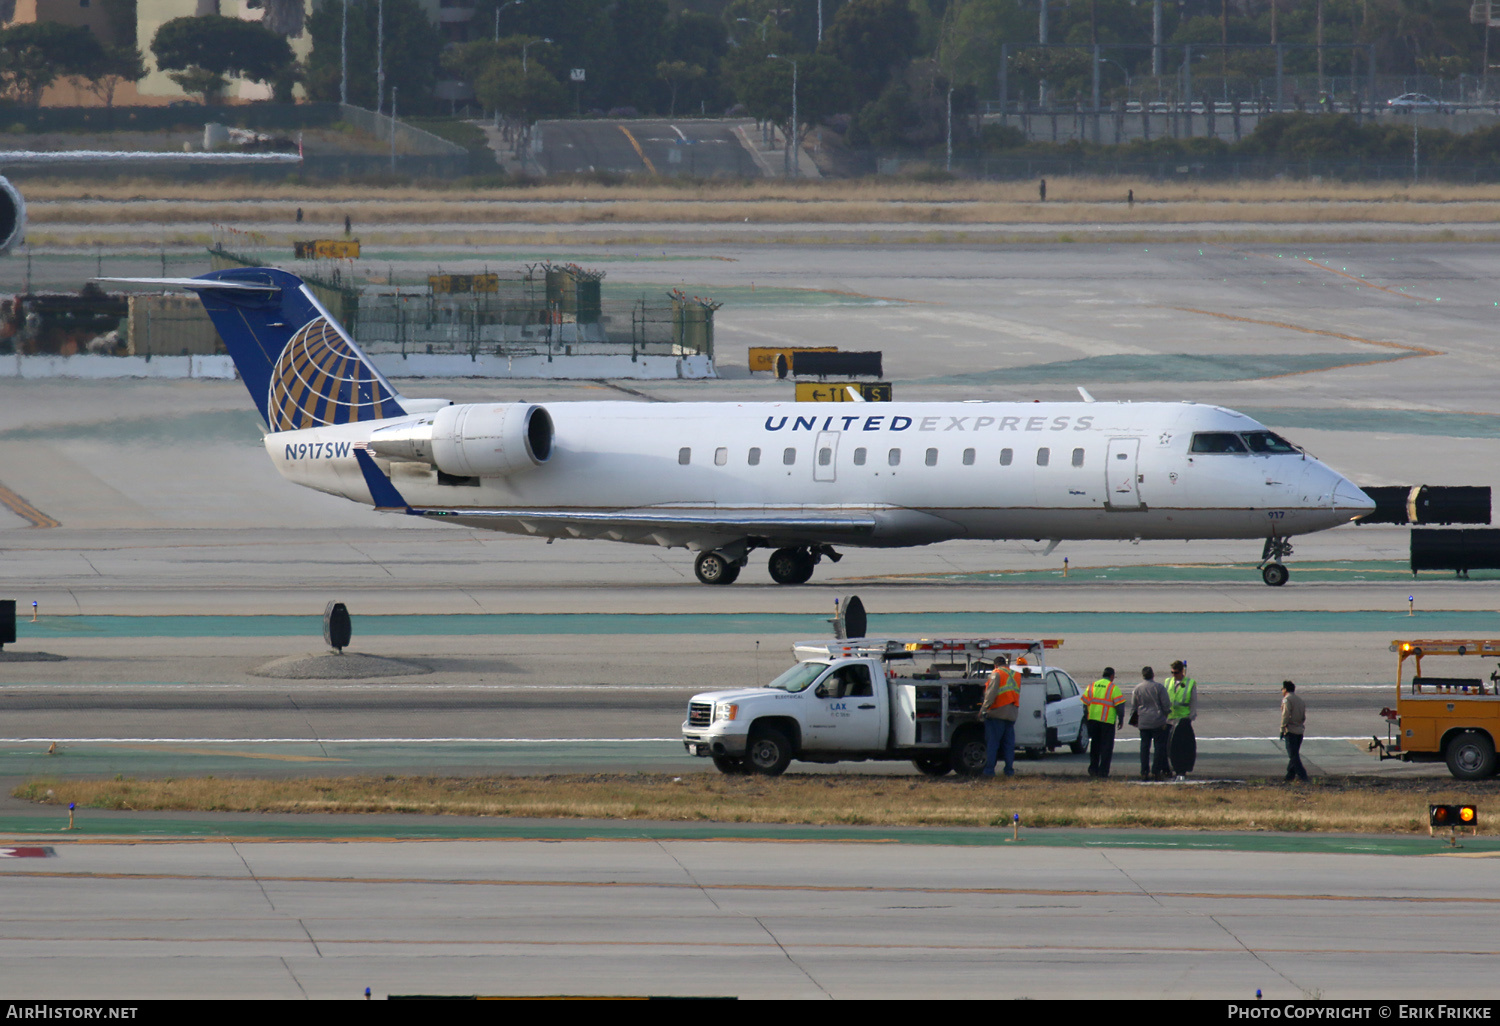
1335 804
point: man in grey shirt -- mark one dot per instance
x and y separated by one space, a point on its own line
1293 725
1149 708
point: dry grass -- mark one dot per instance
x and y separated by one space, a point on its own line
880 190
1343 805
503 213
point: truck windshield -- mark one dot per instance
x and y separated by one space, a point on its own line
799 677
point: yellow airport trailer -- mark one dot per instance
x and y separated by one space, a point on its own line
1444 719
763 358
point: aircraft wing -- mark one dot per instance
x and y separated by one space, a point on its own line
692 521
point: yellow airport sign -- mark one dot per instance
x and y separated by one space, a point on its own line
326 249
838 391
449 283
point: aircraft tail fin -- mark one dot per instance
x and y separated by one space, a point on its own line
301 367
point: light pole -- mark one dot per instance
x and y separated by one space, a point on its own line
1111 60
344 57
379 56
524 47
949 166
791 167
501 7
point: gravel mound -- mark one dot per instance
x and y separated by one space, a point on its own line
333 666
29 657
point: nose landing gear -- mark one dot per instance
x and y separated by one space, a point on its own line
1272 571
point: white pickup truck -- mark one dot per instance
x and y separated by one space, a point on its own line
868 698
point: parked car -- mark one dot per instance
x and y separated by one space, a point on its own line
1415 103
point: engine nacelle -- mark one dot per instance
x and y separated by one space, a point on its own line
12 217
472 440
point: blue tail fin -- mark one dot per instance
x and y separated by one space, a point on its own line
301 367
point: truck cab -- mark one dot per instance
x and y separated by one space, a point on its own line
885 699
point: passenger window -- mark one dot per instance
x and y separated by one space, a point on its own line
894 457
789 456
968 457
1217 442
1005 457
684 456
1043 455
754 458
721 456
932 457
825 457
1054 687
859 457
1077 457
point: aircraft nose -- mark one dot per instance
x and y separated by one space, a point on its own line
1349 496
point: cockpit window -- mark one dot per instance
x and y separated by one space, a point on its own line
1268 442
1218 441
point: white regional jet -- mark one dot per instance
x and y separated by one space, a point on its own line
725 478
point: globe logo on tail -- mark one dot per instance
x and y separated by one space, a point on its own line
319 379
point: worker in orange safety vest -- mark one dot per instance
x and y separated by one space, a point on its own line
1000 707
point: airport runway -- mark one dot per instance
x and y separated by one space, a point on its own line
750 919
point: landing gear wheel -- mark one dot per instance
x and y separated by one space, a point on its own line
791 566
769 752
713 568
731 764
934 765
968 753
1274 574
1471 756
1080 744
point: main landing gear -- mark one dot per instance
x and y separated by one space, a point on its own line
794 564
791 565
1272 571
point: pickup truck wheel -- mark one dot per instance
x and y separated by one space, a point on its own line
1080 743
1471 756
968 753
731 764
933 765
769 752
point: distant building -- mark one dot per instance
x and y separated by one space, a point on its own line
91 14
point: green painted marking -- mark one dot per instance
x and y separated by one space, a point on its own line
1188 573
243 427
299 828
1393 622
1124 367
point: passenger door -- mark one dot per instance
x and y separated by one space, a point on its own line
847 714
1122 493
1064 706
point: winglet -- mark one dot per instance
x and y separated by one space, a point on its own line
382 492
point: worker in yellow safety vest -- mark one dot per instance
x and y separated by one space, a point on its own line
1182 747
1103 701
1000 707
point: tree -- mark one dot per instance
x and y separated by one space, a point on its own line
521 96
204 52
33 55
120 64
412 50
677 74
823 89
283 17
873 39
